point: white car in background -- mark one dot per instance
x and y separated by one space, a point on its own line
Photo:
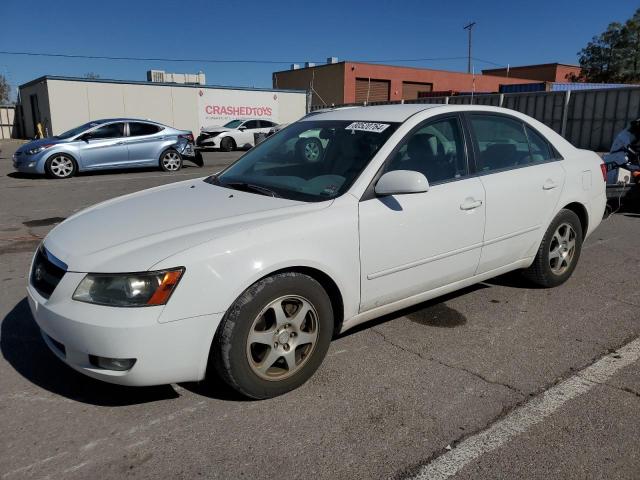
279 252
233 135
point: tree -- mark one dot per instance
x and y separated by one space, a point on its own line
5 90
92 75
614 55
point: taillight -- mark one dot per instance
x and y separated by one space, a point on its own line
188 136
603 168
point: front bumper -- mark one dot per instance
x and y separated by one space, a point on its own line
204 141
168 352
24 163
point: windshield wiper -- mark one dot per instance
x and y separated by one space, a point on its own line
250 187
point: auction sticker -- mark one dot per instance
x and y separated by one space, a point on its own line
368 127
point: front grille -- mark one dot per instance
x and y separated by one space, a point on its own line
45 275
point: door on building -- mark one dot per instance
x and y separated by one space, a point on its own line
370 90
414 90
35 113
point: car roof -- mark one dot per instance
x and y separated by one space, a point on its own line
123 119
387 113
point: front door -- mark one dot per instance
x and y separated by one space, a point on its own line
104 147
414 243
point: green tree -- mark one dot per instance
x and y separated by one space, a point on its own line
614 55
5 90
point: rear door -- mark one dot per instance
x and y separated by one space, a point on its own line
104 147
523 181
145 143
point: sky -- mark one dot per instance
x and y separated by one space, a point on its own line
506 32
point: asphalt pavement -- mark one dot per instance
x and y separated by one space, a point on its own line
500 380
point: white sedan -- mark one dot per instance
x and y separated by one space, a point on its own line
279 253
234 134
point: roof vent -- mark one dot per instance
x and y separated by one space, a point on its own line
332 59
309 64
295 66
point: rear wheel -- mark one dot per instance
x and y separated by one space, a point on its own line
60 165
275 335
559 251
227 144
170 161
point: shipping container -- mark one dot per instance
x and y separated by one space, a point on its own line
564 86
524 87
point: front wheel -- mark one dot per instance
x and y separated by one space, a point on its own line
60 165
227 144
559 251
170 161
275 335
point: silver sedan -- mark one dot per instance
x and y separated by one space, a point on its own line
108 144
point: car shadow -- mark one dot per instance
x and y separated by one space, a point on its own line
422 313
97 173
23 347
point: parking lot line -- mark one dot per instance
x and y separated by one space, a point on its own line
529 414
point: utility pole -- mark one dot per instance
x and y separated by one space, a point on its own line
469 27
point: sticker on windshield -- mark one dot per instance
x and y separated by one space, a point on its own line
368 127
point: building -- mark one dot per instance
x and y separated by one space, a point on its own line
336 83
160 76
61 103
545 72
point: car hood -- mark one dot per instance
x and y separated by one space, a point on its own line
217 129
38 142
134 232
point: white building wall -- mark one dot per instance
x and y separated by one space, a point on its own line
74 102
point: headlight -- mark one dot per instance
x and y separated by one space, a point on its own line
39 149
128 289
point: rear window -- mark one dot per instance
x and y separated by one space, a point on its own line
138 129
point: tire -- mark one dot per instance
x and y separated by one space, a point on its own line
261 369
227 144
310 149
60 165
559 251
170 161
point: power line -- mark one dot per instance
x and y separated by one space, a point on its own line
209 60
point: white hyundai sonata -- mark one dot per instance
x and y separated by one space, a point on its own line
278 253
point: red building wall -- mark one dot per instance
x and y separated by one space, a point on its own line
440 79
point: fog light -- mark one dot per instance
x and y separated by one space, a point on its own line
31 164
119 364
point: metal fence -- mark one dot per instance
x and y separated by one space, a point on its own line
587 118
8 126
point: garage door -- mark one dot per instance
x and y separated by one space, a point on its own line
369 90
412 90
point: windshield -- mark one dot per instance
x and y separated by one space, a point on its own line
309 160
76 131
233 124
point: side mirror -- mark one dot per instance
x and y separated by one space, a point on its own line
85 137
398 182
242 127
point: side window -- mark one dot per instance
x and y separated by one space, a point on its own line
265 124
435 150
112 130
501 142
139 129
540 150
251 124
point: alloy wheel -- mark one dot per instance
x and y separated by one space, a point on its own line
282 337
562 249
61 166
171 161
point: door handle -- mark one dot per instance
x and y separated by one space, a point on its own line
470 204
549 185
119 143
